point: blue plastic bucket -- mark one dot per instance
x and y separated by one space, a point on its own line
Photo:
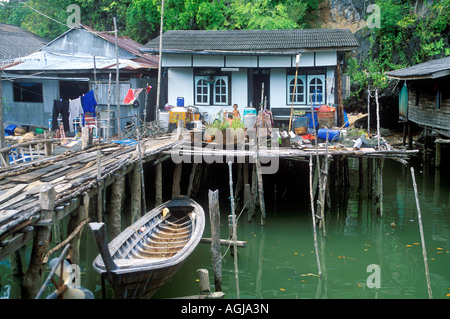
180 101
332 134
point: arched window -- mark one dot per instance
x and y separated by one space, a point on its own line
201 90
316 89
220 90
299 97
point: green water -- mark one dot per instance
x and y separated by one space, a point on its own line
279 260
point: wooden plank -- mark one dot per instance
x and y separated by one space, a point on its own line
13 201
12 192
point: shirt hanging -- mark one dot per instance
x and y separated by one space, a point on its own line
89 103
75 110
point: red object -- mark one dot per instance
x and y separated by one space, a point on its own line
129 97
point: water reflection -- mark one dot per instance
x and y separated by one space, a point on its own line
279 259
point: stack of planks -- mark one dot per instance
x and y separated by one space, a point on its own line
70 175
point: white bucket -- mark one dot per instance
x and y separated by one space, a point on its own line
249 120
164 119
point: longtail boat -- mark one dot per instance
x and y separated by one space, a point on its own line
142 258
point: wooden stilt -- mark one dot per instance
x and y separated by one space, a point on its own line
75 219
248 201
117 198
191 179
313 214
361 172
214 215
176 180
136 194
100 186
262 206
41 243
234 221
158 184
239 187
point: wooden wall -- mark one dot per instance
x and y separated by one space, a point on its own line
422 103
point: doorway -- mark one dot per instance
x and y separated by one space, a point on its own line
259 79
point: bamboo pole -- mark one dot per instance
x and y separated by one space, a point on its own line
422 238
378 118
314 216
236 271
297 60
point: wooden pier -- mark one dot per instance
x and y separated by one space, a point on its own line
36 196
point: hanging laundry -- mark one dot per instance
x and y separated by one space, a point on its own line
75 110
60 107
89 103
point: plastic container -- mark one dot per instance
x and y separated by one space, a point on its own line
333 135
249 120
164 119
249 110
180 101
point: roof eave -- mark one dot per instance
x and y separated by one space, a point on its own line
287 52
429 76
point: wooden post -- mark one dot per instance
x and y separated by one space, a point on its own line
41 243
361 172
424 251
238 188
176 180
248 202
313 214
191 179
158 184
99 189
340 100
203 277
136 193
262 206
214 215
410 140
236 271
75 219
437 162
117 196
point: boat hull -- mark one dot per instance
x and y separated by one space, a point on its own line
148 253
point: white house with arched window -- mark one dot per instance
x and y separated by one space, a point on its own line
213 70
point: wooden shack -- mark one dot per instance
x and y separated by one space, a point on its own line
425 101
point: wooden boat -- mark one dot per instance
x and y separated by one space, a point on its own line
142 258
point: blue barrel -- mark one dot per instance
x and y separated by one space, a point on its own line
180 101
249 110
332 134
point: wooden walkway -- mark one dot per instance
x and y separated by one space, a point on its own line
70 175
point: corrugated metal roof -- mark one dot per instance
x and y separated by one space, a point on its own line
248 40
430 69
57 61
16 42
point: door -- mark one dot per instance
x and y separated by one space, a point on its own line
260 88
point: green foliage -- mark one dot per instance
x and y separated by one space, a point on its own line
390 45
140 19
